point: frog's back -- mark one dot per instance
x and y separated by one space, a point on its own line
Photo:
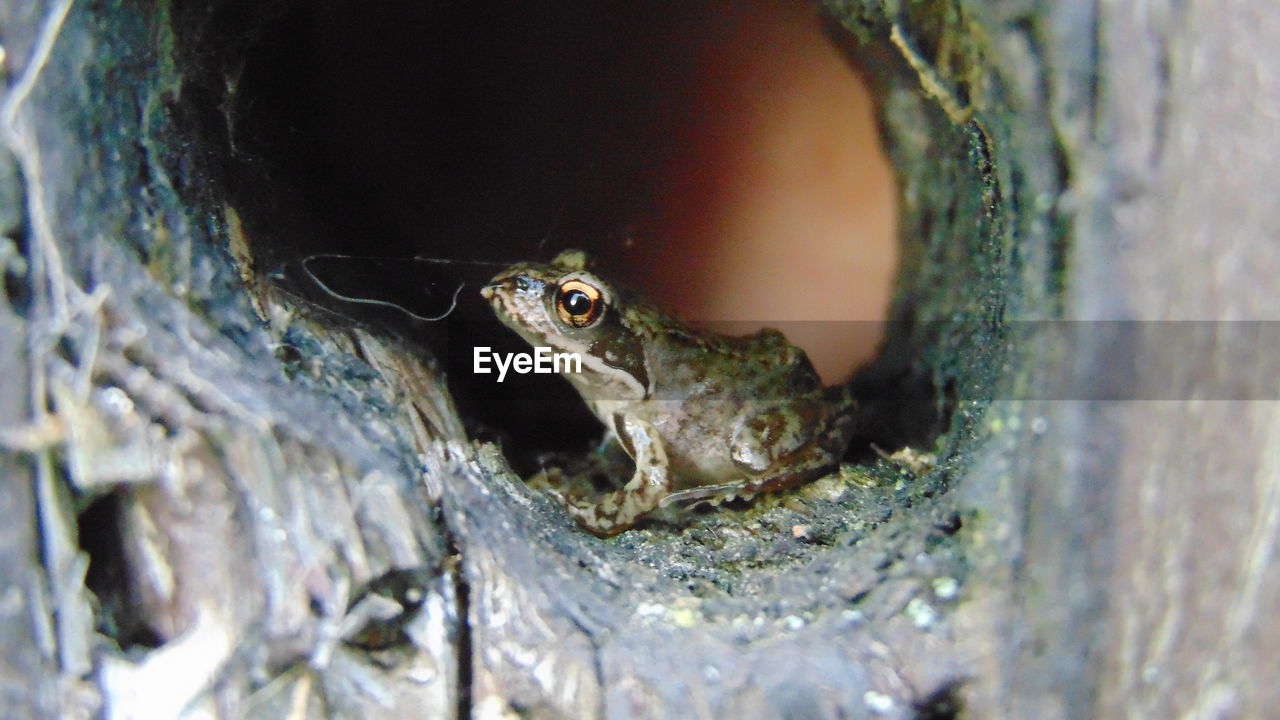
765 364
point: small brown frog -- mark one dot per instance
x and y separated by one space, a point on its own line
703 415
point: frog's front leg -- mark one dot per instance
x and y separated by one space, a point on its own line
651 482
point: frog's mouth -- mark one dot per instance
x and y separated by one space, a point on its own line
490 293
501 297
515 308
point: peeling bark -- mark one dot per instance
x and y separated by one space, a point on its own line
223 501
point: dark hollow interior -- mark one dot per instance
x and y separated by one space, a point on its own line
478 133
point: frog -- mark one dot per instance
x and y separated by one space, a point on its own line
704 416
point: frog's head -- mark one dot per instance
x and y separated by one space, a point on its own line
566 307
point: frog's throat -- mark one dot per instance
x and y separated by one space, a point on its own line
599 379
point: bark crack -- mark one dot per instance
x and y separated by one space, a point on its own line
462 607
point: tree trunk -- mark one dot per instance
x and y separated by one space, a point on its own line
222 500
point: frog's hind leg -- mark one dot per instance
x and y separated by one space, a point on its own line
782 445
616 511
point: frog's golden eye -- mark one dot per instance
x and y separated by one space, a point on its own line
579 304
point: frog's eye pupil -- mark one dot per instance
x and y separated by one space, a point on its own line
579 304
522 282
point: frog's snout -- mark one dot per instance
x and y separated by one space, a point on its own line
517 283
498 288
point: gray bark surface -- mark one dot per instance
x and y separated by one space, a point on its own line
220 501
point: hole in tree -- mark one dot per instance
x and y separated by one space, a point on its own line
100 529
945 703
720 157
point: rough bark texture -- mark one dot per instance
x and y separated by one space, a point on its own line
220 503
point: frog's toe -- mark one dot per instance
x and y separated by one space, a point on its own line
605 518
614 512
546 481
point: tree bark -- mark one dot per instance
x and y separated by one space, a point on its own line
221 501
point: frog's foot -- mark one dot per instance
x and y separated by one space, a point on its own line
578 476
614 512
548 480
